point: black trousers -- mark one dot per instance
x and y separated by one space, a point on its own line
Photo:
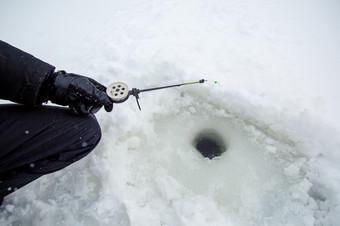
35 141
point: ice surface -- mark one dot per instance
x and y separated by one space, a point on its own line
276 106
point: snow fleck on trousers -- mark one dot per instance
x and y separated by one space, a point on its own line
35 141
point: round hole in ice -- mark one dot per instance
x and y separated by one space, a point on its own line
209 143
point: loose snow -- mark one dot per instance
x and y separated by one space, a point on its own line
276 106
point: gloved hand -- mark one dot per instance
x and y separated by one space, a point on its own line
83 95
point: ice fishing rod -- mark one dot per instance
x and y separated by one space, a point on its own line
119 92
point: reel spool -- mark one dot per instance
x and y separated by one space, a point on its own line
118 92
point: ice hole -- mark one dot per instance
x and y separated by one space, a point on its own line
209 143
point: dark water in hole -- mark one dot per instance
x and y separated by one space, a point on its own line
210 144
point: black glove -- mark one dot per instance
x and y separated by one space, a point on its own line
83 95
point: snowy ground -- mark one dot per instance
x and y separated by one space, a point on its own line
277 107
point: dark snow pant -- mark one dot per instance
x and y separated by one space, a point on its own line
35 141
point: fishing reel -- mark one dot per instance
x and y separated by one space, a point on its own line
119 92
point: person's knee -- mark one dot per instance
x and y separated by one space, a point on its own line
92 133
86 134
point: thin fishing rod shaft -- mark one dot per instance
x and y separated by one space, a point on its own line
135 92
165 87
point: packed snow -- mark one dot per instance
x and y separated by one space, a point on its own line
276 107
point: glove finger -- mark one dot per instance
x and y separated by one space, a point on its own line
94 82
99 99
83 89
79 108
98 85
95 108
108 108
83 109
102 98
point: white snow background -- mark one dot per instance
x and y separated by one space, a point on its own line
277 106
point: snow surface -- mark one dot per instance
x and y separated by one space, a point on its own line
277 107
